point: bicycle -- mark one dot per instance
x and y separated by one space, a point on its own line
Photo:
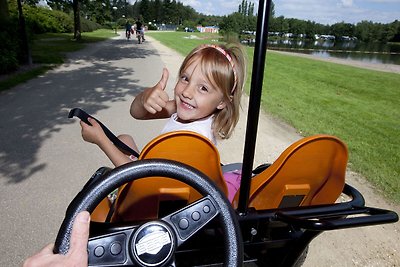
140 36
128 35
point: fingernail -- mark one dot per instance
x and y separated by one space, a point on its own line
83 217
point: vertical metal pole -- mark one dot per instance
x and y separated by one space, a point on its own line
260 51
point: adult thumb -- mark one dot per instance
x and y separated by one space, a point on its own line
80 233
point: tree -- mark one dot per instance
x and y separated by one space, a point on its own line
26 53
251 10
342 29
395 25
62 5
365 31
232 23
4 14
297 26
31 2
279 24
157 11
145 10
66 6
77 20
97 10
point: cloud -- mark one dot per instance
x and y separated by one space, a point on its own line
347 3
216 7
193 3
382 1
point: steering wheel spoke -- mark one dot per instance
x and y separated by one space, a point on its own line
111 249
189 220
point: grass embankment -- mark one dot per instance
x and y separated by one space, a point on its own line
359 106
49 50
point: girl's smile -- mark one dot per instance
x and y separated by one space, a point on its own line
186 105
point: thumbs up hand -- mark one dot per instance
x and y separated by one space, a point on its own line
154 99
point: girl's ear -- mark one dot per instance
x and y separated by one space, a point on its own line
221 105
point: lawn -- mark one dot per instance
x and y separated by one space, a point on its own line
49 50
359 106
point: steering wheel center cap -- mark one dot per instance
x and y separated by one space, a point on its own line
153 244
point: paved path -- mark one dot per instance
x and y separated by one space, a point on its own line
44 162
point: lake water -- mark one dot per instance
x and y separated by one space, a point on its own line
368 52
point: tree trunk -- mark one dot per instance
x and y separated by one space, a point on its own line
26 53
4 14
77 20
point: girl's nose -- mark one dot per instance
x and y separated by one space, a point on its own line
188 91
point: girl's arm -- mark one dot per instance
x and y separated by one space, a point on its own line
153 102
95 134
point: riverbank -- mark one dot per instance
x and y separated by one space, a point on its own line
356 63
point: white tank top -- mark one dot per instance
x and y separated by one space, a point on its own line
203 127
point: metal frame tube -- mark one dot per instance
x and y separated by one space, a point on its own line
260 51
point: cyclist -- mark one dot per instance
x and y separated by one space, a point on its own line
128 28
139 30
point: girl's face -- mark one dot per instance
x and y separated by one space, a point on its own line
195 97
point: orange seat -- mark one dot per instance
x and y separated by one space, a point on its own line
101 211
149 198
309 172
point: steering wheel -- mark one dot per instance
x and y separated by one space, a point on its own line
154 243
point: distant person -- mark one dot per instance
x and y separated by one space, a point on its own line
128 29
140 30
139 25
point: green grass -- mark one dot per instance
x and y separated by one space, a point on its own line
49 50
184 42
16 79
359 106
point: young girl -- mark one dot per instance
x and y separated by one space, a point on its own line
206 99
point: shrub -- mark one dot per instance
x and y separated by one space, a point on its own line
89 26
42 20
151 27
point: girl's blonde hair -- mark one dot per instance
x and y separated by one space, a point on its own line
225 68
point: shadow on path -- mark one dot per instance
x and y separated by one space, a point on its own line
36 110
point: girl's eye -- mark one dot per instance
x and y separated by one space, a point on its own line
184 78
204 89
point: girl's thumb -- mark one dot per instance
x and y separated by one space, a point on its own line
164 78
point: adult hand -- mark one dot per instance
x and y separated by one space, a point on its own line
77 255
154 99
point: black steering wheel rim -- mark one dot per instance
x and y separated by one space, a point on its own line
91 196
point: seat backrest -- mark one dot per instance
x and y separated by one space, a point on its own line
149 198
309 172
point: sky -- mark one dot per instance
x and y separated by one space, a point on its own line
320 11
